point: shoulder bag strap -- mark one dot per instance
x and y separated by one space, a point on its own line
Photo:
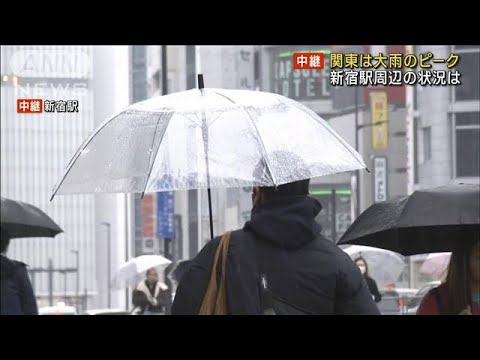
214 301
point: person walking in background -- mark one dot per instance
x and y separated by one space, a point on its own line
460 293
150 296
372 284
16 292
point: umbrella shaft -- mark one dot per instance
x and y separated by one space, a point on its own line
205 141
210 212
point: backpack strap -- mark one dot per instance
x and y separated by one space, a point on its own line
266 297
265 294
270 303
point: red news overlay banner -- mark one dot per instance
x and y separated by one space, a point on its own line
308 60
29 106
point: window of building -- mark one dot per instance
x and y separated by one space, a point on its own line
469 68
467 144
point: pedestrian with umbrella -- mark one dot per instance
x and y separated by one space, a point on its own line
460 293
151 293
441 219
216 138
19 220
279 263
17 297
372 284
382 265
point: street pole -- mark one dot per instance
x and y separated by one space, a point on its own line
65 286
198 70
77 280
334 216
166 241
109 264
357 172
128 234
50 282
33 281
358 127
85 299
164 70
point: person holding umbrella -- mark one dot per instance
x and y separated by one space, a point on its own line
224 133
20 220
150 296
372 284
279 263
460 293
433 220
17 296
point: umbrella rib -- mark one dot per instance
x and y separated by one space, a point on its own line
167 122
191 120
79 151
215 119
260 141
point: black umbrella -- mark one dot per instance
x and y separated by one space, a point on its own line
24 220
430 220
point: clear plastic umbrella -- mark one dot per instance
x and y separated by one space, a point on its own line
384 266
135 269
207 138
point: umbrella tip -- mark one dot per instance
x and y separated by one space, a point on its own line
368 170
51 198
200 81
143 193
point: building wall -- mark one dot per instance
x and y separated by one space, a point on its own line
112 94
438 109
434 104
35 149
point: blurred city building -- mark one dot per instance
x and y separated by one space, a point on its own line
35 149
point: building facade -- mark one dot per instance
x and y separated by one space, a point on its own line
75 266
35 149
446 123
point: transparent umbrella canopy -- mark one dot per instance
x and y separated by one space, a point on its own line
384 266
207 138
134 270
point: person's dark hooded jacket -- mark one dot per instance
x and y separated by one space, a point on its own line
306 273
16 292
